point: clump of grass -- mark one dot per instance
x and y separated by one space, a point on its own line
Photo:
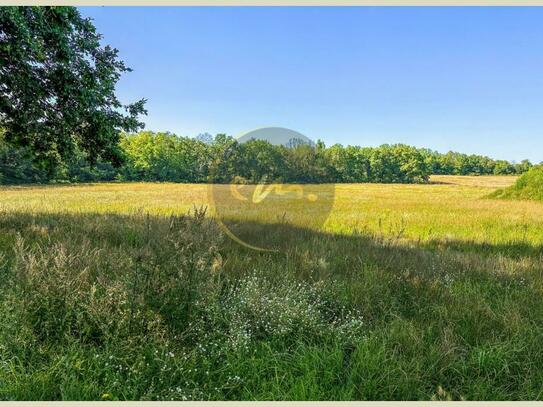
77 289
529 186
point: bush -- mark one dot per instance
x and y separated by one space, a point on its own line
528 186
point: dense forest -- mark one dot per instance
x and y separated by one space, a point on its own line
148 156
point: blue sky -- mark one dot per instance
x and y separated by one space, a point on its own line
464 79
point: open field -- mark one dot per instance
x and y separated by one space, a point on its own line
452 209
405 292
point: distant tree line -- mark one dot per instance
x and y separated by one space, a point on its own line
148 156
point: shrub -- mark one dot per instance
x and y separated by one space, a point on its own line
528 186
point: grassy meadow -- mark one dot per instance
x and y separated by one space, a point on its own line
406 292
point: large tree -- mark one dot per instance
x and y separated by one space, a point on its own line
57 86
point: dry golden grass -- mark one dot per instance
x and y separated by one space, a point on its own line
451 208
456 209
494 181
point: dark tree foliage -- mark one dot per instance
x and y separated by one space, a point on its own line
57 87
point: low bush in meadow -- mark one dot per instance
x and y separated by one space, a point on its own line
528 186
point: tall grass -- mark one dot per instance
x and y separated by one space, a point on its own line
136 306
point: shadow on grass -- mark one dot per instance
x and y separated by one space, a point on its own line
514 250
382 276
284 238
133 283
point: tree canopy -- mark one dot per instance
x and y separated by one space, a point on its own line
57 87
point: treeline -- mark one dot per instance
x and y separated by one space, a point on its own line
148 156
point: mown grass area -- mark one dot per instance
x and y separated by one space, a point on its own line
407 292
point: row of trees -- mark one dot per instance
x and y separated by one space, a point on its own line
148 156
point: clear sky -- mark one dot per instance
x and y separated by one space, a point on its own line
464 79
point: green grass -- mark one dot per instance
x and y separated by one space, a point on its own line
528 186
407 292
